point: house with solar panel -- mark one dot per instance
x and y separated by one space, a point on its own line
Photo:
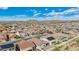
9 46
49 39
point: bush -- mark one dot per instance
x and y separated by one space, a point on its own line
57 48
56 42
18 37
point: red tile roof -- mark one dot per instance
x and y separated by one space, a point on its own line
24 44
2 37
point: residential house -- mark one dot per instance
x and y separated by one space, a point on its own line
40 44
49 39
25 45
2 38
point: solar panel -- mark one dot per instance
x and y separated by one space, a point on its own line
7 46
50 38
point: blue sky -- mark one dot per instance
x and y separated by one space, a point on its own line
38 13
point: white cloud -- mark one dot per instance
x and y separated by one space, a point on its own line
36 14
51 15
4 8
60 15
13 17
71 10
46 9
34 11
20 15
75 17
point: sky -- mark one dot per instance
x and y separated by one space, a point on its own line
38 13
